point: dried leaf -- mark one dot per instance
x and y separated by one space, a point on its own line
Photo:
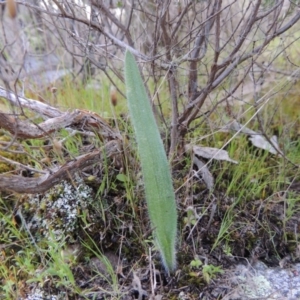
155 297
211 153
204 172
137 286
236 126
260 141
257 139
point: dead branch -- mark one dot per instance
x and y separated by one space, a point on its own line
107 12
23 127
171 77
20 184
57 120
27 129
36 106
229 64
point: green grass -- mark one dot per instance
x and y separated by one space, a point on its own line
90 98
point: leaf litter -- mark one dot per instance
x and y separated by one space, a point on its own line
257 139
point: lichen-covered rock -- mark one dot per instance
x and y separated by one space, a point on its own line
56 213
38 294
261 282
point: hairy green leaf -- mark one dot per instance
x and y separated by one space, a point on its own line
155 166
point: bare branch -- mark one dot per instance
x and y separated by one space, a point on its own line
107 12
20 184
24 129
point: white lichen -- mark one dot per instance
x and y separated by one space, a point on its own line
57 211
38 294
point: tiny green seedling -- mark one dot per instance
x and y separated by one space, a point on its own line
196 263
210 272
